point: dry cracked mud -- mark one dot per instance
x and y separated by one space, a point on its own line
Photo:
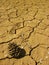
24 31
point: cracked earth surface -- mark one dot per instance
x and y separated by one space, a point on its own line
25 23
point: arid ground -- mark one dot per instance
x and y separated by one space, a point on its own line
24 24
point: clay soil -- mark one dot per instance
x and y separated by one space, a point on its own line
26 24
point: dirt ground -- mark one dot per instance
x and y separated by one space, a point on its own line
24 23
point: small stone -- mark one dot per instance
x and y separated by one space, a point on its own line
22 47
5 55
48 52
46 57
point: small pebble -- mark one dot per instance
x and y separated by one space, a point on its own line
22 47
5 55
48 52
46 57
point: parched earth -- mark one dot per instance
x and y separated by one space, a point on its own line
24 23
